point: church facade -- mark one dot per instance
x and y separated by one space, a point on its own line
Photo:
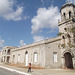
58 52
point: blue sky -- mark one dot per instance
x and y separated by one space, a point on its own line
23 22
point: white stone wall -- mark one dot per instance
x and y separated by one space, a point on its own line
44 53
31 50
51 48
66 9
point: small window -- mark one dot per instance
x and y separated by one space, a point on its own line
54 57
63 37
68 36
13 58
35 57
5 50
18 57
68 39
69 14
65 29
26 52
8 52
63 40
64 15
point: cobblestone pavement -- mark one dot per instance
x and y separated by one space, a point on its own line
42 71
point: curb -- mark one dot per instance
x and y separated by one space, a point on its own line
13 70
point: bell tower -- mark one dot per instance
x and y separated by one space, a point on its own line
67 16
67 23
67 34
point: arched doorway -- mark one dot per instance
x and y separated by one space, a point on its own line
8 52
68 60
26 58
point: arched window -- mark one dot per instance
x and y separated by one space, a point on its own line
26 52
5 51
63 37
18 57
35 56
13 58
65 29
55 57
64 16
69 14
8 52
63 40
68 38
26 58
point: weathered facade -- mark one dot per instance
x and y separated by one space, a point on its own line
58 52
67 29
6 54
40 54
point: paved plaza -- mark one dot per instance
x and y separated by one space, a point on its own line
41 71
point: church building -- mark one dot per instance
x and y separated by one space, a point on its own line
58 52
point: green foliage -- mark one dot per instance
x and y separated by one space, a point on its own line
69 44
73 29
63 45
72 45
59 34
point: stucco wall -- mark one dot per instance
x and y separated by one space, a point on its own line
40 49
44 51
50 49
65 9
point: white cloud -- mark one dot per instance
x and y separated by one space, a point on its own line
38 38
7 11
1 43
14 15
5 6
22 43
45 18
